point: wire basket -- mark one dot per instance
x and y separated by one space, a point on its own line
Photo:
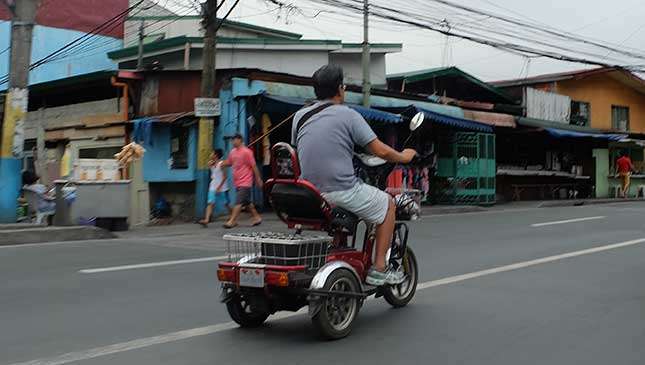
281 249
407 201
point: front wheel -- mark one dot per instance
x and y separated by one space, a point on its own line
337 312
244 313
401 294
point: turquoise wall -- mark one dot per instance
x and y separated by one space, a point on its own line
88 57
155 160
602 172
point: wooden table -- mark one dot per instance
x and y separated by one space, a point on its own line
567 180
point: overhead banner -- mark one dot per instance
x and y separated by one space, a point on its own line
80 15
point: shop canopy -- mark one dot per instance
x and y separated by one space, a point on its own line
288 105
563 130
454 122
561 133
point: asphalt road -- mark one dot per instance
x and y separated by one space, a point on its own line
531 286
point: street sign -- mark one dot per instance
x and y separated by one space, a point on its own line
207 107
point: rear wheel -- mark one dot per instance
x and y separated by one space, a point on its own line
244 313
337 312
401 294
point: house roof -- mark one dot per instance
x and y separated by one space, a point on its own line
452 72
617 73
74 80
172 43
228 23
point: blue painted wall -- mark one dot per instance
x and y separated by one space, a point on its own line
155 160
89 57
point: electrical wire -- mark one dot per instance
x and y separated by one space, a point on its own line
78 41
549 51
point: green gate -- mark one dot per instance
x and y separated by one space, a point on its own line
466 168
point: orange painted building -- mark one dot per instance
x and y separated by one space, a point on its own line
604 98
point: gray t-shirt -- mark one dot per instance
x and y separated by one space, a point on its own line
326 143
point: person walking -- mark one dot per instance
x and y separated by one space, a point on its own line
218 188
242 161
624 168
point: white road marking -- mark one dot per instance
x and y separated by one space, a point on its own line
71 357
525 264
151 264
575 220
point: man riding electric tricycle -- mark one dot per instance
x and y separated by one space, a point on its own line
317 189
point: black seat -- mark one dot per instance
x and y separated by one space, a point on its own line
296 202
344 219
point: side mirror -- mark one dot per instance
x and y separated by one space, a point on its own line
416 121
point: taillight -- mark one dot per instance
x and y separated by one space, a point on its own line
276 278
226 275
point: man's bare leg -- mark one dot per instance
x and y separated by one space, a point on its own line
232 221
384 237
254 214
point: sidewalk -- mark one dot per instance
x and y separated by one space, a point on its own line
206 237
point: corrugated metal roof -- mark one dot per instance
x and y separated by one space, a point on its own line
455 122
293 104
432 73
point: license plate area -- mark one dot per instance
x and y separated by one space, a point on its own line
252 276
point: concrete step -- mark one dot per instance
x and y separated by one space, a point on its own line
578 202
7 226
52 234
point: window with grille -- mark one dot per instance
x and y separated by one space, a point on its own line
620 118
179 146
580 113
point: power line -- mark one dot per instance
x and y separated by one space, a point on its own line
221 22
394 15
78 41
101 46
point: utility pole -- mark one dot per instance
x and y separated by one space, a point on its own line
366 55
209 22
11 151
140 54
206 124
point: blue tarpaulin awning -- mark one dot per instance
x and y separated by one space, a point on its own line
290 104
454 121
562 133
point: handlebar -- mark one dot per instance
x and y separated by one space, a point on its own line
375 170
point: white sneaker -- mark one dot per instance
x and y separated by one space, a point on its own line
380 278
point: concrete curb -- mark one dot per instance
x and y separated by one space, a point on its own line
452 210
52 234
4 227
575 203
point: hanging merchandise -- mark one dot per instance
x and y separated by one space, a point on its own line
425 183
66 163
395 180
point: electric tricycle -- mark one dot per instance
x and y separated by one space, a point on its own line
268 272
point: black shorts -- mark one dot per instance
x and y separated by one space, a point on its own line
243 197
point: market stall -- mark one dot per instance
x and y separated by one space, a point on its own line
548 163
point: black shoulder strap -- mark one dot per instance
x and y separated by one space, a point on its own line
310 114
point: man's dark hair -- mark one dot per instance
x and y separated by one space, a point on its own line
219 153
238 136
29 177
624 153
327 80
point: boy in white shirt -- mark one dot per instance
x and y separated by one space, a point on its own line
218 188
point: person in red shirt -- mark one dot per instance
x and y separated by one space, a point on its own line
242 161
624 168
